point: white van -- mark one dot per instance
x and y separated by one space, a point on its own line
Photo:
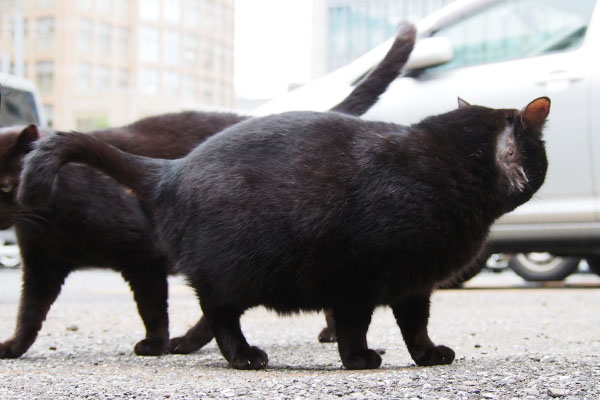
19 105
504 53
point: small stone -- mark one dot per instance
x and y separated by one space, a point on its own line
532 391
489 395
477 346
73 328
556 392
53 348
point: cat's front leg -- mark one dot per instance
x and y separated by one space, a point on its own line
224 321
412 316
41 286
196 337
150 291
351 325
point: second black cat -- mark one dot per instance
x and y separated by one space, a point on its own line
92 221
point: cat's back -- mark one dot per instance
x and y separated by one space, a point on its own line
289 136
168 136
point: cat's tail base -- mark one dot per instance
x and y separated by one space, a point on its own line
50 154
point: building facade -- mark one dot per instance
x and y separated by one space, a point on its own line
356 26
101 63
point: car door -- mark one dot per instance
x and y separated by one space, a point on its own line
506 55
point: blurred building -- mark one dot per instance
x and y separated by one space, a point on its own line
353 27
108 62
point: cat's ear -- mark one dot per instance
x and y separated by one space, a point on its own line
26 139
462 103
535 113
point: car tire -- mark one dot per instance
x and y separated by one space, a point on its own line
594 264
542 266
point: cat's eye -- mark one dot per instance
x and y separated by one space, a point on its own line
7 188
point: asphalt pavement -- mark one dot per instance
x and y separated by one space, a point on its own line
513 340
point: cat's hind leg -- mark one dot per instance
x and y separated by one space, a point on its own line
327 334
195 338
224 322
150 291
42 282
351 325
412 316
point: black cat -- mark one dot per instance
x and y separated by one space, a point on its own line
93 221
305 211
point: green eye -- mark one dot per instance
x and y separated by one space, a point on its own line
7 188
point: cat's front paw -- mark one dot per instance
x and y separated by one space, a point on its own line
437 355
9 349
183 345
252 358
151 347
365 359
327 335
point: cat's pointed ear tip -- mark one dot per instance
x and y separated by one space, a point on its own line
462 102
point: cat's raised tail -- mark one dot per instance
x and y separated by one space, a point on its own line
368 90
44 162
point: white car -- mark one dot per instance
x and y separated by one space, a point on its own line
504 53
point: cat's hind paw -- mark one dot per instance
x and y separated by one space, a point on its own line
8 350
437 355
252 358
365 359
151 347
327 336
183 345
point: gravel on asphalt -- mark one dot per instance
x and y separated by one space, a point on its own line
510 343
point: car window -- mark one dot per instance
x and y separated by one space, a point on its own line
17 107
512 29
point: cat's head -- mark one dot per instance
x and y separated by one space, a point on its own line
15 143
520 155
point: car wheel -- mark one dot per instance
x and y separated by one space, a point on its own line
594 264
542 266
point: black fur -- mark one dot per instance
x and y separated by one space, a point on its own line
306 211
91 221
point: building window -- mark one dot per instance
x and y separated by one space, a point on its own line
208 92
208 55
49 112
45 3
171 47
84 4
85 35
190 87
149 10
148 80
122 8
208 16
45 34
44 76
191 50
104 39
190 13
92 123
172 11
103 78
84 77
122 43
122 78
103 6
170 82
149 44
